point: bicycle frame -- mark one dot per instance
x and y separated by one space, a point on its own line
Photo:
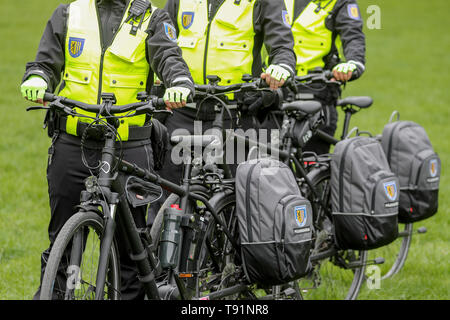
112 189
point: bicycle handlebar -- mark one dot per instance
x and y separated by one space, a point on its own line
253 85
317 77
106 108
259 84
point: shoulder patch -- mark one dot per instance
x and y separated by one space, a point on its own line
286 18
170 31
353 11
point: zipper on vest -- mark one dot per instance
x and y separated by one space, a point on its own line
211 17
102 56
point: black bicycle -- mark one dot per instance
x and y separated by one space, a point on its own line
84 261
209 259
217 271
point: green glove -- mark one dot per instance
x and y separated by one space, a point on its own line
278 72
33 88
176 94
345 67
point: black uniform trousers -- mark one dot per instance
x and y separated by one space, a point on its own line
66 174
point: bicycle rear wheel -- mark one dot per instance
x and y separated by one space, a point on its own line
217 265
71 270
394 254
335 276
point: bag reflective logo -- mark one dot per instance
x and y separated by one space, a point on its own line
391 190
300 215
433 167
76 46
187 19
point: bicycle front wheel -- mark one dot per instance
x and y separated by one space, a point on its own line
72 267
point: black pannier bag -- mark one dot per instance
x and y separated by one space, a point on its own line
411 156
275 222
160 143
364 195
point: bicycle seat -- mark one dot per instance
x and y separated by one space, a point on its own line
194 140
361 102
307 107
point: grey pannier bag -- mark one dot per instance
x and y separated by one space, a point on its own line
275 222
411 156
364 195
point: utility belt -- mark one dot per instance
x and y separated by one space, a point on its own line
96 131
207 112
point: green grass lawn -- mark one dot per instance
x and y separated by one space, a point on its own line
408 67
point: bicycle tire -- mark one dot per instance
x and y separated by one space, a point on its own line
395 253
353 278
74 227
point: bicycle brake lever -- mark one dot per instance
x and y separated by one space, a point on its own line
37 108
163 111
145 109
63 108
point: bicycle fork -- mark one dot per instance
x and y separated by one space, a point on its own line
138 253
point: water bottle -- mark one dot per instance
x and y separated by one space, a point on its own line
170 238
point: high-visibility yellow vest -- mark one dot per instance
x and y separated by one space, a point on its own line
313 40
89 70
222 46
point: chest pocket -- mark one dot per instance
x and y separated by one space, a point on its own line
127 46
314 21
187 42
233 16
77 74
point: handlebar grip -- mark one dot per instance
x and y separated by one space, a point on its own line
159 103
328 74
49 97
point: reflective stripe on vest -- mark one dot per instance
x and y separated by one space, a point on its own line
222 47
121 69
313 40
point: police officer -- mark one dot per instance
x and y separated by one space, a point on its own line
328 34
97 46
225 38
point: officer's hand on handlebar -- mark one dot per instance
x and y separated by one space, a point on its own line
33 89
176 97
275 76
344 71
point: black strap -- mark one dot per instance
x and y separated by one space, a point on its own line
134 134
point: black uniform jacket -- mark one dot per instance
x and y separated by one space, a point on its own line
163 54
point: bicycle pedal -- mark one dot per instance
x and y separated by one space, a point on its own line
422 230
289 292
